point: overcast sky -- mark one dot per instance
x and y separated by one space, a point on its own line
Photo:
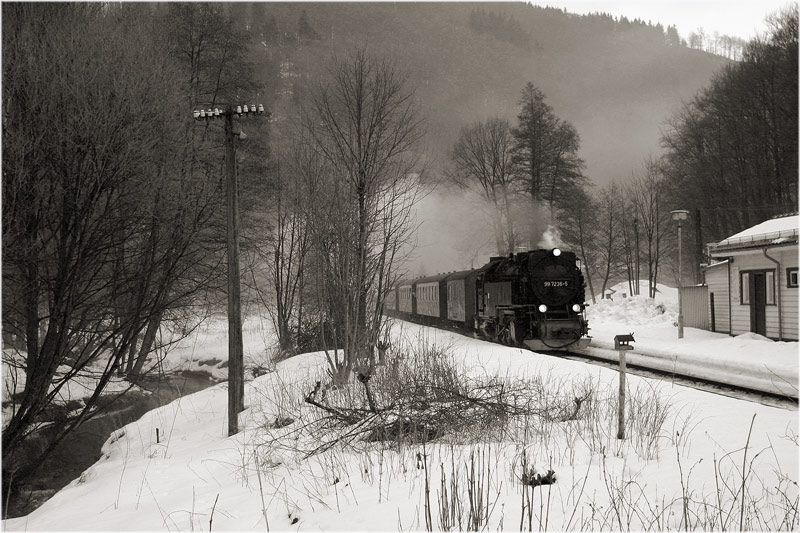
740 18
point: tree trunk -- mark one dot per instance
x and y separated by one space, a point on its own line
31 281
147 344
131 355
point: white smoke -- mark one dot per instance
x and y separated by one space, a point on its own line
551 238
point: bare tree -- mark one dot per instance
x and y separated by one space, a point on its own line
290 243
578 225
646 194
90 184
629 226
365 126
482 162
609 242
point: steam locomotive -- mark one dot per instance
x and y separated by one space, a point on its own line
534 298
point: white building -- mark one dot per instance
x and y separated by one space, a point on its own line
753 287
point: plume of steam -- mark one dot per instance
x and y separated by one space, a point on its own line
551 238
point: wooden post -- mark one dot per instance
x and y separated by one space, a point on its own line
621 409
235 346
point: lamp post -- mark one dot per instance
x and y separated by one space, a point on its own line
235 345
680 215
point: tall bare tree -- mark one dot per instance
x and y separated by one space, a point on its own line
290 243
578 228
646 192
609 226
85 161
365 126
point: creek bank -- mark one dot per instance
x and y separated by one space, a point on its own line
81 449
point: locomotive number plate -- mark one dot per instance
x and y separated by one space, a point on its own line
556 283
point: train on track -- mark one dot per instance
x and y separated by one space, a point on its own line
533 299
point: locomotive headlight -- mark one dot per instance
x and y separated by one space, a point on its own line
542 308
576 308
556 252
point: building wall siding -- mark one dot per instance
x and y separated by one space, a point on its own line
694 301
717 283
740 314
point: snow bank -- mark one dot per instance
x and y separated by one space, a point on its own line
747 360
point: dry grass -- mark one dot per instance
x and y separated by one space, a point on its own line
480 451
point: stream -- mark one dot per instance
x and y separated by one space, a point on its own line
81 449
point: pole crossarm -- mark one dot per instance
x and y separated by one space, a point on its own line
241 110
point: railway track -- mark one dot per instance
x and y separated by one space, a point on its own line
706 385
609 359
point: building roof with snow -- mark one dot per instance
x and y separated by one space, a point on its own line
781 230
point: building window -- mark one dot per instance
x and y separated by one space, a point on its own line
791 277
770 288
745 285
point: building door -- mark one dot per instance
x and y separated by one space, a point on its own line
758 303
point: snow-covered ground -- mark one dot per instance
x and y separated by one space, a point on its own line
706 451
747 360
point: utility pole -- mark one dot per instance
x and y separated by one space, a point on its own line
235 343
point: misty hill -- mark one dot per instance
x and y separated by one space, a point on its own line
616 81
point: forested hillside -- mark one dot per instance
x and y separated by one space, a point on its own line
615 81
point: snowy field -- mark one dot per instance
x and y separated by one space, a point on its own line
690 459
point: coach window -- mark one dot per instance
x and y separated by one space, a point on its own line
791 277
